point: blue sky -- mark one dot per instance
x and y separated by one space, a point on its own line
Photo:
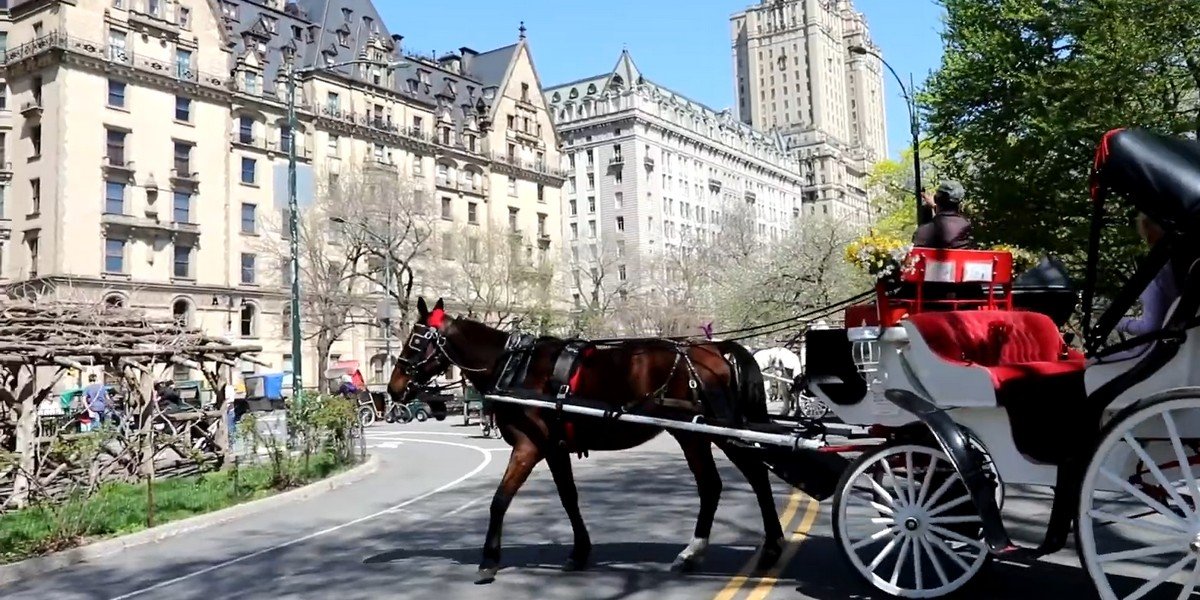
682 44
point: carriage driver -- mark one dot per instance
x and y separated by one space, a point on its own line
948 228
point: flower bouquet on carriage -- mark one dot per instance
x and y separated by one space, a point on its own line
883 257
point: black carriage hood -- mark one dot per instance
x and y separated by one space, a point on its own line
1159 174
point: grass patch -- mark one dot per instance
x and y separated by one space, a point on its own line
121 508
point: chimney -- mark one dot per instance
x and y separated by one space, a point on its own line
467 54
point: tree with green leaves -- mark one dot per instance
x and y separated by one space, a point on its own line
1027 88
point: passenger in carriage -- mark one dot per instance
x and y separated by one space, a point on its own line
1158 296
948 228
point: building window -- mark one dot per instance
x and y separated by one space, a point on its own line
114 256
35 138
591 229
35 195
574 207
32 244
542 225
621 272
447 246
512 185
447 205
249 169
183 262
618 200
183 159
591 182
183 63
114 198
574 231
185 17
181 311
116 46
248 261
541 191
183 109
249 218
618 177
620 223
116 93
524 92
591 204
115 147
513 214
472 215
181 207
246 130
249 320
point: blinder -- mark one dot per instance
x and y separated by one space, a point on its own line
421 341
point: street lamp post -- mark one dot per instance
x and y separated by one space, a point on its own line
293 207
914 125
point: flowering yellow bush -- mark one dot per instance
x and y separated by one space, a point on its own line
879 255
1023 260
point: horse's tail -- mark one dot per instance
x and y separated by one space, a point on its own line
748 382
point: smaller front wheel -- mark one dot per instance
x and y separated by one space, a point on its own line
366 416
904 521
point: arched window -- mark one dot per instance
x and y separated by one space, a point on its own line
181 312
114 301
380 369
249 320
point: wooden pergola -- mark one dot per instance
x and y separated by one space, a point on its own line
41 341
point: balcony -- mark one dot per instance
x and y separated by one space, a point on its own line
247 140
117 165
381 163
648 163
32 108
616 160
182 175
133 226
6 171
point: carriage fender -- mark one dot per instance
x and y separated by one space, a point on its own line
955 441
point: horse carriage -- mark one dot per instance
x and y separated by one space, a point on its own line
961 390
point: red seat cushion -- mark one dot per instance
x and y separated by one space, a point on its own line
1009 344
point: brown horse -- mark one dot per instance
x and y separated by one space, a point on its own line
633 374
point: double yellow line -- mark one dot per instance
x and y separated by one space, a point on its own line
767 582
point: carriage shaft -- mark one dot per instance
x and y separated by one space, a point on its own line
770 439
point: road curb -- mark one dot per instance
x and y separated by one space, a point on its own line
41 565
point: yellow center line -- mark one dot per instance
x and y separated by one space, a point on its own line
785 521
767 583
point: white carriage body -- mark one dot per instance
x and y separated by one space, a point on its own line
968 393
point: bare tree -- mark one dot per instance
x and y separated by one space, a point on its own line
500 280
364 231
676 295
599 276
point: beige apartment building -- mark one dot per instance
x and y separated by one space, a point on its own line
145 152
796 75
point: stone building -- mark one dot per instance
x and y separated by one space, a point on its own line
795 74
144 150
650 170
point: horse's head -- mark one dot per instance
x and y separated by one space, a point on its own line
423 356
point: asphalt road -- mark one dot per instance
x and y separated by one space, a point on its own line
414 530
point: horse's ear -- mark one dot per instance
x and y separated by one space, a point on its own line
422 308
440 305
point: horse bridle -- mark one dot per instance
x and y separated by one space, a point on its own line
419 340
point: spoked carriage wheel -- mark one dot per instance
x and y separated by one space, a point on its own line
1139 520
904 521
811 407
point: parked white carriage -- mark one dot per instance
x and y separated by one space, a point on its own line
969 393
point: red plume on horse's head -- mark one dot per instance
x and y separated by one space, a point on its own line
434 318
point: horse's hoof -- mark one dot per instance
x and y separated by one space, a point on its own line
769 555
684 564
486 575
574 564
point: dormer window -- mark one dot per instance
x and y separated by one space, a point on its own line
524 92
297 32
413 84
343 39
270 24
346 12
229 10
423 76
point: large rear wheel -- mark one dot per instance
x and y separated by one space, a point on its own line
1139 524
904 521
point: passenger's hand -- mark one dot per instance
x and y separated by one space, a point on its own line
927 199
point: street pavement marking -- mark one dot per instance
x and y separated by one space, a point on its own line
487 459
766 584
735 585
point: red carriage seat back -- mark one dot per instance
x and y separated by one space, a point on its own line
1009 344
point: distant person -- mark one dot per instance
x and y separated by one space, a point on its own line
1156 299
347 388
96 400
948 228
168 397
